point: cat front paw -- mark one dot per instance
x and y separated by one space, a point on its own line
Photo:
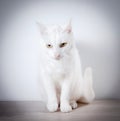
52 107
65 108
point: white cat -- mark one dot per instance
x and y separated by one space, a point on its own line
61 69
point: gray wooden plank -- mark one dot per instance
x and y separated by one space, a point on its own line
99 110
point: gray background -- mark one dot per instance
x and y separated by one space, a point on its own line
96 25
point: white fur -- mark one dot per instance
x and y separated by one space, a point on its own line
62 77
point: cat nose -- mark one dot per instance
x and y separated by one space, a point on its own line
57 56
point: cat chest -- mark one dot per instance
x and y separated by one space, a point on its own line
58 72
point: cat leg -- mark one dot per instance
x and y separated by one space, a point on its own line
52 102
74 104
65 96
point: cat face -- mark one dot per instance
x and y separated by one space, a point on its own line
57 40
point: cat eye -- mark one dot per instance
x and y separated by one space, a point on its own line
49 46
62 44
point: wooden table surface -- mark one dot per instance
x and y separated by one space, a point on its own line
98 110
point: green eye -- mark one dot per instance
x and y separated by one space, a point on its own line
49 46
62 44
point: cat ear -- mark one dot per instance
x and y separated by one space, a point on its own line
68 27
42 28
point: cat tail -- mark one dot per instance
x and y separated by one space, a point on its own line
88 76
88 93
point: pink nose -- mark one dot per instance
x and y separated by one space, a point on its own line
57 56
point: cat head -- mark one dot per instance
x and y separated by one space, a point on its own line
57 41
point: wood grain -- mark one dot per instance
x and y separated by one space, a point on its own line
99 110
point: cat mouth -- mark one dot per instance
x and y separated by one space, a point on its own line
58 58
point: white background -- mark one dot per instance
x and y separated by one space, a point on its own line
96 26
